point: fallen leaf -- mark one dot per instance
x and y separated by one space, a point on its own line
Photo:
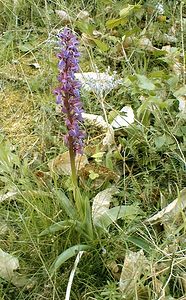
173 57
123 120
146 44
170 211
8 264
61 164
181 96
97 82
35 65
7 196
135 264
112 265
109 137
101 202
83 15
95 120
64 16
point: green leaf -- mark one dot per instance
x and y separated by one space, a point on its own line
64 256
98 155
158 74
141 243
145 83
85 27
57 227
127 10
183 130
160 141
66 204
101 45
115 22
87 224
115 213
93 175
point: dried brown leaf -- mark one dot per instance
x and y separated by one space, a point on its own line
170 211
134 265
101 202
61 164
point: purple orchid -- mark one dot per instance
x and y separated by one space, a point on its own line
68 92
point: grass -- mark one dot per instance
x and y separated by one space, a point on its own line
146 163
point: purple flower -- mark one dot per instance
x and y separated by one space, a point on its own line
68 92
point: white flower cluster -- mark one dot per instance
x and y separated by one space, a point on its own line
98 83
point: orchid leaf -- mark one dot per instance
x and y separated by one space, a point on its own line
115 213
66 204
67 254
57 227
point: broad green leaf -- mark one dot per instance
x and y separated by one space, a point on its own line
145 83
144 115
84 213
85 27
115 213
7 39
164 140
101 45
160 141
115 22
67 254
183 130
87 224
57 227
66 204
173 82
